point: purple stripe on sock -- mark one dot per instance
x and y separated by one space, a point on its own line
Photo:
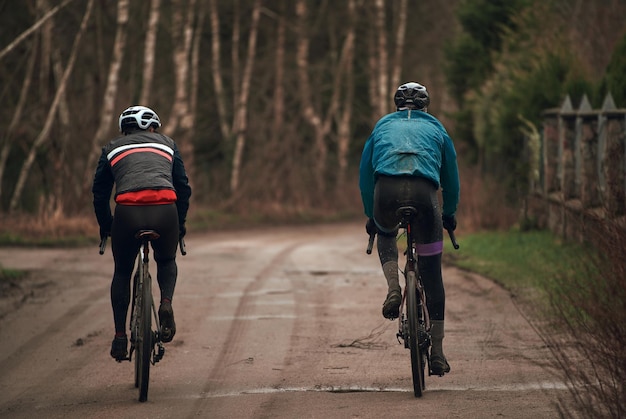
430 249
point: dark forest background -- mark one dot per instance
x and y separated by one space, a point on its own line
271 102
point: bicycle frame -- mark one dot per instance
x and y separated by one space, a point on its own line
144 340
414 320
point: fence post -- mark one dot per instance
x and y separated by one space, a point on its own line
613 159
588 155
567 143
550 152
583 177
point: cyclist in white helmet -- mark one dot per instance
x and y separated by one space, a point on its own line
406 159
152 192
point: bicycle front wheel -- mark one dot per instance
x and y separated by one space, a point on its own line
144 344
417 357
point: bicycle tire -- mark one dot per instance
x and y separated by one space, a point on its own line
134 324
146 342
417 356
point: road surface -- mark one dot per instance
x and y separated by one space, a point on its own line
272 323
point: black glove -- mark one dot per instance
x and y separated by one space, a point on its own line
105 230
182 230
449 222
370 227
104 233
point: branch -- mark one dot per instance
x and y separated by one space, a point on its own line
43 135
32 29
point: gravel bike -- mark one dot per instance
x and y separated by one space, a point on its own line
145 341
413 319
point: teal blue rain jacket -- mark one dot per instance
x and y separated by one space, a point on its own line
410 142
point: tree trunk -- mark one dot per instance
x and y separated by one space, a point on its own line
396 71
216 71
241 111
17 114
43 135
322 124
55 203
181 120
110 93
182 35
149 52
345 119
382 98
32 29
311 117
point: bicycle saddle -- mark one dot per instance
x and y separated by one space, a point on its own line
147 234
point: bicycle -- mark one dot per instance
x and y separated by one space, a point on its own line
145 341
413 319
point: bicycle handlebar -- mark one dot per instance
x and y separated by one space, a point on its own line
370 244
103 244
453 239
181 243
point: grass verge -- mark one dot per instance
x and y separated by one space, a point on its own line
514 259
578 305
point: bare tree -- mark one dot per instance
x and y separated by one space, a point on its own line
321 123
182 36
149 51
110 92
43 135
240 124
396 70
54 204
344 117
7 141
310 114
195 62
380 83
240 85
33 28
181 120
216 70
382 75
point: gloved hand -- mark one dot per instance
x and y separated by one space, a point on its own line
105 230
449 222
370 227
104 233
182 230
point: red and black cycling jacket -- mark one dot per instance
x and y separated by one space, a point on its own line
146 168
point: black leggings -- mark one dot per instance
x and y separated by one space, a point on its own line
393 192
127 221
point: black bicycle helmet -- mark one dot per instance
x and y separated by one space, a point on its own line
138 117
412 96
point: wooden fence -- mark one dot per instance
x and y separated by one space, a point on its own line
581 177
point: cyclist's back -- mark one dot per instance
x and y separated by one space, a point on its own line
152 192
405 160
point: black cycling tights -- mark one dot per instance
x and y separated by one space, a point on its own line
429 269
393 192
126 222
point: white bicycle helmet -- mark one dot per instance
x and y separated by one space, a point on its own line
138 117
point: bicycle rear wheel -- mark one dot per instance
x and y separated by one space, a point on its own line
134 324
417 356
144 338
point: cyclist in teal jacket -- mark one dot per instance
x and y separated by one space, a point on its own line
406 159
